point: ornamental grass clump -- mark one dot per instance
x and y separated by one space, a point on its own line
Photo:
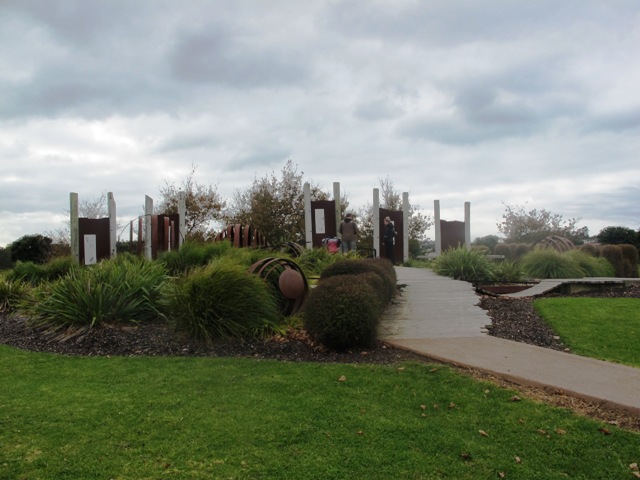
223 300
463 264
316 260
36 274
108 293
12 292
591 266
343 311
544 263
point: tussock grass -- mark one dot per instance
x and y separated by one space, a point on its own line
114 291
463 264
549 263
223 300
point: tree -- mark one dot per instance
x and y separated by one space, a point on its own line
274 206
31 248
619 236
520 226
203 202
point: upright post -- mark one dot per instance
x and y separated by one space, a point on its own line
376 221
467 225
336 198
405 226
436 216
182 212
74 226
308 227
148 211
113 227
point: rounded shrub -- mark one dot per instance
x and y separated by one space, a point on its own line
343 312
504 249
590 249
463 264
613 253
546 263
380 266
630 256
520 250
223 300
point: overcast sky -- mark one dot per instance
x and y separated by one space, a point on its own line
491 102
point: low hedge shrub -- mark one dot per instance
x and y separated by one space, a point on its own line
380 266
343 311
36 274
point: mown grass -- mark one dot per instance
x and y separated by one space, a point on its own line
603 328
202 418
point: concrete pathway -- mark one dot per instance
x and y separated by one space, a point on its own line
439 318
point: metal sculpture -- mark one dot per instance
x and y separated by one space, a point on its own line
561 244
287 279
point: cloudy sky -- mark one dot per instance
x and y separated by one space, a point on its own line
491 102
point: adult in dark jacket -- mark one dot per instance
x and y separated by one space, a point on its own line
388 237
349 232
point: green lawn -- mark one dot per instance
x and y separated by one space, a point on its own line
604 328
204 418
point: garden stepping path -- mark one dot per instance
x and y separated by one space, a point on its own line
439 318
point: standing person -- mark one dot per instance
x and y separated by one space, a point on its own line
349 232
389 236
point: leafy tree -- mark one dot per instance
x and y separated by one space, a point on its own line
203 202
521 226
5 258
274 206
619 236
31 248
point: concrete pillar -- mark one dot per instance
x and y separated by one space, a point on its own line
467 225
74 227
375 218
405 226
182 211
308 227
148 211
113 226
436 216
336 198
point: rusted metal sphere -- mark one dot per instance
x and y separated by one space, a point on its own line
288 280
291 284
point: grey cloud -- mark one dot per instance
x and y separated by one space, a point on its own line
214 57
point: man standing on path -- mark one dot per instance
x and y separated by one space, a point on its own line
389 236
349 232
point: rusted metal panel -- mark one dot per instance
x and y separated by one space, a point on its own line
451 234
323 221
98 227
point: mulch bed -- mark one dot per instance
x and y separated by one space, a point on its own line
513 319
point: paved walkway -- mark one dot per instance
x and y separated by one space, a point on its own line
439 318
